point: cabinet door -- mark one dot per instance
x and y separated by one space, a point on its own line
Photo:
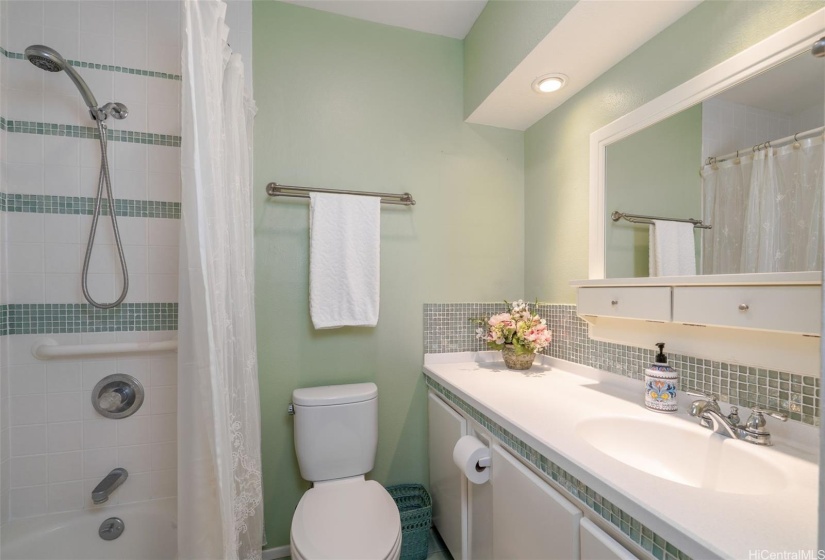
773 308
530 520
649 303
598 545
448 487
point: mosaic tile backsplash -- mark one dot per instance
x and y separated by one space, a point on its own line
450 327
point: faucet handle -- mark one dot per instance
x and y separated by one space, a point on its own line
709 396
772 413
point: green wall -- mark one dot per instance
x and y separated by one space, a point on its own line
505 32
349 104
654 172
557 147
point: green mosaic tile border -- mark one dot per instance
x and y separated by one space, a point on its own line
448 328
53 318
637 532
105 67
90 132
84 205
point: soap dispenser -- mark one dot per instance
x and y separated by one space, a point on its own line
660 384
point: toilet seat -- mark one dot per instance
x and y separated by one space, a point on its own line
346 519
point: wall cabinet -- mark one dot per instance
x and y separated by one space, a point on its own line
516 515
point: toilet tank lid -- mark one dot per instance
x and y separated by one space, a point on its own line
334 394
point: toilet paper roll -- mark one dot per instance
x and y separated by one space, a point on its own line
473 458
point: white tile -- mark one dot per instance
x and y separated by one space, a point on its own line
164 20
164 92
136 458
25 77
66 496
25 257
163 484
130 89
27 440
135 489
164 119
64 467
97 16
25 148
134 430
165 232
24 227
164 372
131 21
164 186
138 288
67 436
28 409
129 184
29 11
163 259
63 407
164 400
5 449
60 150
24 105
59 13
163 287
164 456
89 177
64 40
27 379
158 58
129 156
102 287
26 288
99 433
164 427
62 228
164 159
27 502
21 35
63 377
61 180
97 463
134 231
66 258
24 178
98 48
102 83
63 288
28 471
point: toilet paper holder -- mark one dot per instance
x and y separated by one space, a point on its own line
483 463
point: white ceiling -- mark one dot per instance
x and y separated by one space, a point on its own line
450 18
591 38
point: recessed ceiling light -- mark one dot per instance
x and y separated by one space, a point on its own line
549 83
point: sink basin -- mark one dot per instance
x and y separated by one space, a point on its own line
685 454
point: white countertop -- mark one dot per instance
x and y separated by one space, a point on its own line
544 405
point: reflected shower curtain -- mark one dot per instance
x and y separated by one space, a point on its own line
220 514
766 211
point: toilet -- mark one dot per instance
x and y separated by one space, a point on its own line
343 516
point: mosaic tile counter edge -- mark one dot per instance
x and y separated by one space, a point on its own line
449 327
575 488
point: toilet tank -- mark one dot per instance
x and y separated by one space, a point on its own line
336 430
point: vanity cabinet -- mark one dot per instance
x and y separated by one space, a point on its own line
598 545
775 308
448 487
515 515
648 303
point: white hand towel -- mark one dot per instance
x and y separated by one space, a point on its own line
344 265
672 249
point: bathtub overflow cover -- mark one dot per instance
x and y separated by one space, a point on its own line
111 529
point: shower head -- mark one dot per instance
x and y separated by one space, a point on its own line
818 49
50 60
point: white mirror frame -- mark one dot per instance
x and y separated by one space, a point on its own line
781 46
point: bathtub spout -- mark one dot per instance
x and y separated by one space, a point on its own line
108 485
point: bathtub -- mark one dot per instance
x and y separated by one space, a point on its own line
150 533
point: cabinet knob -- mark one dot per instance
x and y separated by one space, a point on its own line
743 307
614 302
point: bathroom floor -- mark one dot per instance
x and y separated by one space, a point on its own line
437 550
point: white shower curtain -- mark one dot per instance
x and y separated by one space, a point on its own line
220 512
766 211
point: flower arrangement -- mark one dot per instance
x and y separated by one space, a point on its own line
525 331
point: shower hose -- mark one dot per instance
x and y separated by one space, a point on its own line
104 180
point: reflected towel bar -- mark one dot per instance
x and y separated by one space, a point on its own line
274 189
639 219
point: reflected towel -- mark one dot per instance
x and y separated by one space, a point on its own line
344 260
672 249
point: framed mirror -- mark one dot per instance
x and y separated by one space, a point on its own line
676 158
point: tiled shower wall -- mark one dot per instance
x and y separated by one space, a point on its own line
53 446
450 327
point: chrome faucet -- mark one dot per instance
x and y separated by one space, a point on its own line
108 485
711 417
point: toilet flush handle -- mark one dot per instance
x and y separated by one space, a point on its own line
290 409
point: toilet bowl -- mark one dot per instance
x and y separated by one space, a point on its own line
352 519
343 516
